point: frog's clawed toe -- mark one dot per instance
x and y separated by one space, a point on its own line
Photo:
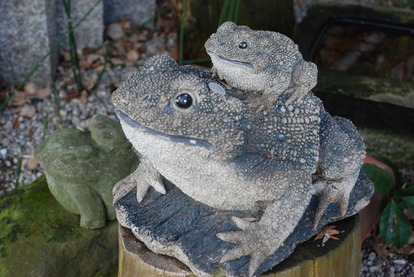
248 243
296 95
331 194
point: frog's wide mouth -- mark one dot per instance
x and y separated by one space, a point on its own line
173 138
246 64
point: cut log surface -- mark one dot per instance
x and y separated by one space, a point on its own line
340 258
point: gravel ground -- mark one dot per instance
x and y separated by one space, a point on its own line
391 265
19 135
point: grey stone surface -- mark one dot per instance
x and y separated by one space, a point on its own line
90 31
135 10
25 35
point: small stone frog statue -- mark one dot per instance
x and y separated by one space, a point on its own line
267 64
82 167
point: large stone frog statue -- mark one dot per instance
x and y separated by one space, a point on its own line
218 150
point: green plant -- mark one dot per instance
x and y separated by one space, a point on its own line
229 12
394 224
73 52
45 124
19 171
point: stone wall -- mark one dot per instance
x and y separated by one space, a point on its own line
28 29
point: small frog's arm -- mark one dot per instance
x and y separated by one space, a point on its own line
304 78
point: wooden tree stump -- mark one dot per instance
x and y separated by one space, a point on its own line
340 258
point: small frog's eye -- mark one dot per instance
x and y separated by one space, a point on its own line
243 45
184 101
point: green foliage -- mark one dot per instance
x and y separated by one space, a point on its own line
74 59
379 177
230 11
19 170
394 224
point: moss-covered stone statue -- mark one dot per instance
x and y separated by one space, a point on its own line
82 167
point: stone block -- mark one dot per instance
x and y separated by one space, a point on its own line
135 10
25 35
89 32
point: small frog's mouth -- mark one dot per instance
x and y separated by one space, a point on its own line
173 138
246 64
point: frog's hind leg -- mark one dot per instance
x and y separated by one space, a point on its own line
105 192
341 156
79 199
91 208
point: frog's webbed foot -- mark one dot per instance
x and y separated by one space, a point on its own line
144 177
296 94
265 101
216 73
253 240
339 193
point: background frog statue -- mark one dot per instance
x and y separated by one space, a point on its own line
222 184
81 168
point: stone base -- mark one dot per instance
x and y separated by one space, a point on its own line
339 258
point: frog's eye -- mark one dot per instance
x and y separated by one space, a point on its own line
184 101
243 45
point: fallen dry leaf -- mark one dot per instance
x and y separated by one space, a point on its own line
30 88
328 232
117 61
19 98
383 250
132 56
42 93
31 163
27 111
84 64
126 24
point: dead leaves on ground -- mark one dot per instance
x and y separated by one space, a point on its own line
21 99
328 232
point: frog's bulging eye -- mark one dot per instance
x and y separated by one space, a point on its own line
184 101
243 45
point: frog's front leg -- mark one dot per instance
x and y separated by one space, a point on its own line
304 78
267 99
262 239
144 177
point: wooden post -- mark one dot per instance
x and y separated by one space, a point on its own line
340 258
